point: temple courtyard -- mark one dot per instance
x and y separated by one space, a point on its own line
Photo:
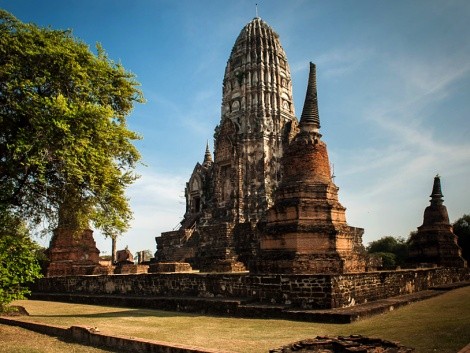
438 324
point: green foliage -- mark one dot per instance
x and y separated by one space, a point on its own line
18 264
462 230
64 140
389 260
394 251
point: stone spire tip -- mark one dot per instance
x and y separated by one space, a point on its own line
207 155
310 118
436 193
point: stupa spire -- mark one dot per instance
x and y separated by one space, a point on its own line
436 194
310 119
207 155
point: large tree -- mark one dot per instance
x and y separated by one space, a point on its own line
66 153
462 230
18 264
394 251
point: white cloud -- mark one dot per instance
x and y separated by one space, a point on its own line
393 179
158 203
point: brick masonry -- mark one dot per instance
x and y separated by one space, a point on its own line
296 291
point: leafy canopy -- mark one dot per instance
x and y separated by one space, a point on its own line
64 140
18 265
462 231
394 251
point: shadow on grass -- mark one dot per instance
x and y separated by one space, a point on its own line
122 313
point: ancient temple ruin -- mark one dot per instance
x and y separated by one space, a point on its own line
265 202
229 220
435 243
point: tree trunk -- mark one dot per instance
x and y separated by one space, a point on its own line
113 250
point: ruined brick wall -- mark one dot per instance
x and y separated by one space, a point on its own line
352 289
302 291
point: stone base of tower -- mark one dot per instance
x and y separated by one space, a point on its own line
73 253
435 247
178 245
311 250
216 249
286 262
292 262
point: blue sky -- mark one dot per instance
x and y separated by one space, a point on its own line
393 88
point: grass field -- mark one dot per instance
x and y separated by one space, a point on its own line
18 340
440 324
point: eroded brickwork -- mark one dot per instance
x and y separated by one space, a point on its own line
73 253
301 291
306 229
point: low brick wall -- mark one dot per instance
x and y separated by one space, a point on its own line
351 289
298 291
50 330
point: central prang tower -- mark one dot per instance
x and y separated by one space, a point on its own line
257 121
227 198
266 201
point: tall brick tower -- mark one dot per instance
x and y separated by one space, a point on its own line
234 192
306 229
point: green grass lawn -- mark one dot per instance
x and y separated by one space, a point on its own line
440 324
18 340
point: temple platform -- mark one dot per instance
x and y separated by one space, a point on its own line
243 307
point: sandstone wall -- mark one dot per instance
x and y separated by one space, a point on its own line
302 291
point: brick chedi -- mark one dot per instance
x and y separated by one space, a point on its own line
73 253
227 198
435 243
72 250
306 229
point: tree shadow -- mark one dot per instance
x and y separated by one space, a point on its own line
121 314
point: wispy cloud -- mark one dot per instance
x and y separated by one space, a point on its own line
342 61
411 150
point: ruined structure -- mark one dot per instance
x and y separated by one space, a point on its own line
73 253
343 344
228 198
266 202
435 243
306 229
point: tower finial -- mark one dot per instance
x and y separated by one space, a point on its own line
256 8
310 119
436 194
207 155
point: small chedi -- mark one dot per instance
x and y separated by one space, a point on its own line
435 243
73 253
72 249
266 202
